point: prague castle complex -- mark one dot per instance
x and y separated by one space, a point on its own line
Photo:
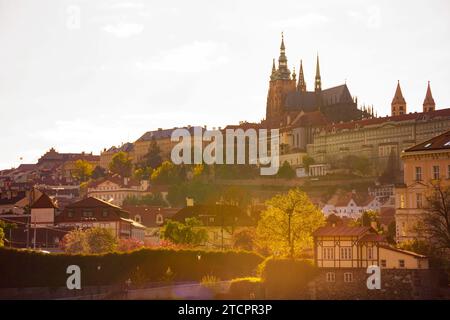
327 124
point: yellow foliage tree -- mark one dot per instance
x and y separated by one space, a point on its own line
286 226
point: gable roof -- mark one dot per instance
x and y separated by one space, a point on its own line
43 202
417 255
440 142
91 202
341 231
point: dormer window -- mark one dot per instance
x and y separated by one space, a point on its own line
427 145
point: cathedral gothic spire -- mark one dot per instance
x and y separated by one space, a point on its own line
428 103
283 71
274 71
398 104
318 82
301 86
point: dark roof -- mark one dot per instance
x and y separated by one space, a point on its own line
307 102
231 214
92 202
340 231
162 133
43 201
12 200
149 214
440 142
373 238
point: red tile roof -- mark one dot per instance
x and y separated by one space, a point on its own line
403 117
340 231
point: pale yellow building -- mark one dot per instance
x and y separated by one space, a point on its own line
425 165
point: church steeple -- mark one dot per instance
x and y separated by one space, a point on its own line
428 103
318 81
283 71
301 86
274 71
398 104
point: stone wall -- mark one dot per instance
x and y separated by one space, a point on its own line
396 284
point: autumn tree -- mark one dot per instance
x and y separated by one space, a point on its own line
82 171
93 240
244 239
166 173
2 234
286 226
190 232
121 164
307 161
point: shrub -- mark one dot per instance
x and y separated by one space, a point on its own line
286 278
246 288
22 268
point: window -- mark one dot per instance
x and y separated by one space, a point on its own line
402 201
105 213
137 218
383 263
346 253
436 172
328 253
70 213
348 277
418 200
418 173
401 263
159 219
331 277
370 253
87 213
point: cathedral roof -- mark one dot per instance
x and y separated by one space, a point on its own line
429 97
306 101
398 97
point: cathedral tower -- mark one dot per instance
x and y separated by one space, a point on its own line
301 86
398 104
428 103
280 85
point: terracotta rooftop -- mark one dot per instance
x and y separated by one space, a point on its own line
340 231
42 202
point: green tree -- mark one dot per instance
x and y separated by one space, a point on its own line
286 171
307 161
190 232
83 170
98 173
368 217
166 173
121 164
286 226
153 157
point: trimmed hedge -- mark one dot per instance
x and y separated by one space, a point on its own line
287 278
19 268
246 288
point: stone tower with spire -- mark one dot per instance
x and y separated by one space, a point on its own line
281 83
301 86
398 104
428 103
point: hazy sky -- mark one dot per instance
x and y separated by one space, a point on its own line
84 75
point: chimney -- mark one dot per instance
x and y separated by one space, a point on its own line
189 202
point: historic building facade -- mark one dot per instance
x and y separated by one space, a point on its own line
426 165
